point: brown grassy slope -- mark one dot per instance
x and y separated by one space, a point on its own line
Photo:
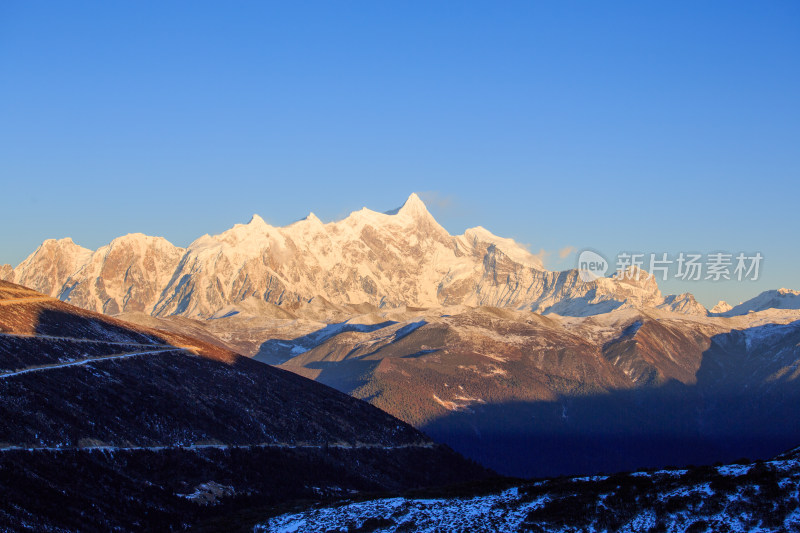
93 438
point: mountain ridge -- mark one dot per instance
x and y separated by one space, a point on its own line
770 299
384 260
608 392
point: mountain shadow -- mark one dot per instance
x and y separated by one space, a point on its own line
745 403
278 351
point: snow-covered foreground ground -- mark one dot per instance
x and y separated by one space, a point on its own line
499 512
761 496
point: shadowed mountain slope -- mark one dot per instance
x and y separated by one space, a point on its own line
94 412
528 394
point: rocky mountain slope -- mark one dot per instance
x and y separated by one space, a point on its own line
368 260
761 496
531 394
107 425
627 389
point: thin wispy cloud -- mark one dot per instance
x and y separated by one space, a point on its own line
542 255
442 202
566 251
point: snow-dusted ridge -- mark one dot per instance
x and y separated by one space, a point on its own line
383 260
82 362
772 299
759 497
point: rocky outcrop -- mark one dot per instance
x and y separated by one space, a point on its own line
128 274
48 268
6 273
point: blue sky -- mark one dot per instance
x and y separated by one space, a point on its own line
638 126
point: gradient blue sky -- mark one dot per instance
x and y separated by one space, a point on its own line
641 126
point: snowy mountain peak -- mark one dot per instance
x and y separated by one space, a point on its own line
721 307
140 239
256 220
311 224
65 242
61 246
515 251
413 207
774 299
6 272
47 268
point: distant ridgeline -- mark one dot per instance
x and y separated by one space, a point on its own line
368 260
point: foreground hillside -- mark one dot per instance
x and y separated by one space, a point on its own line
761 496
106 425
629 389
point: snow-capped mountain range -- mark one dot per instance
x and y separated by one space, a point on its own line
383 260
775 299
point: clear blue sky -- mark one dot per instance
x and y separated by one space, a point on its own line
643 126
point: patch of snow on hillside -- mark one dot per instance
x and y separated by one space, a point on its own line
487 513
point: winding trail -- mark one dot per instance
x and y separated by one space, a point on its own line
162 447
153 349
87 361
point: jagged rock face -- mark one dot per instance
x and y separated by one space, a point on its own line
375 258
46 269
6 273
505 284
126 275
683 303
382 260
